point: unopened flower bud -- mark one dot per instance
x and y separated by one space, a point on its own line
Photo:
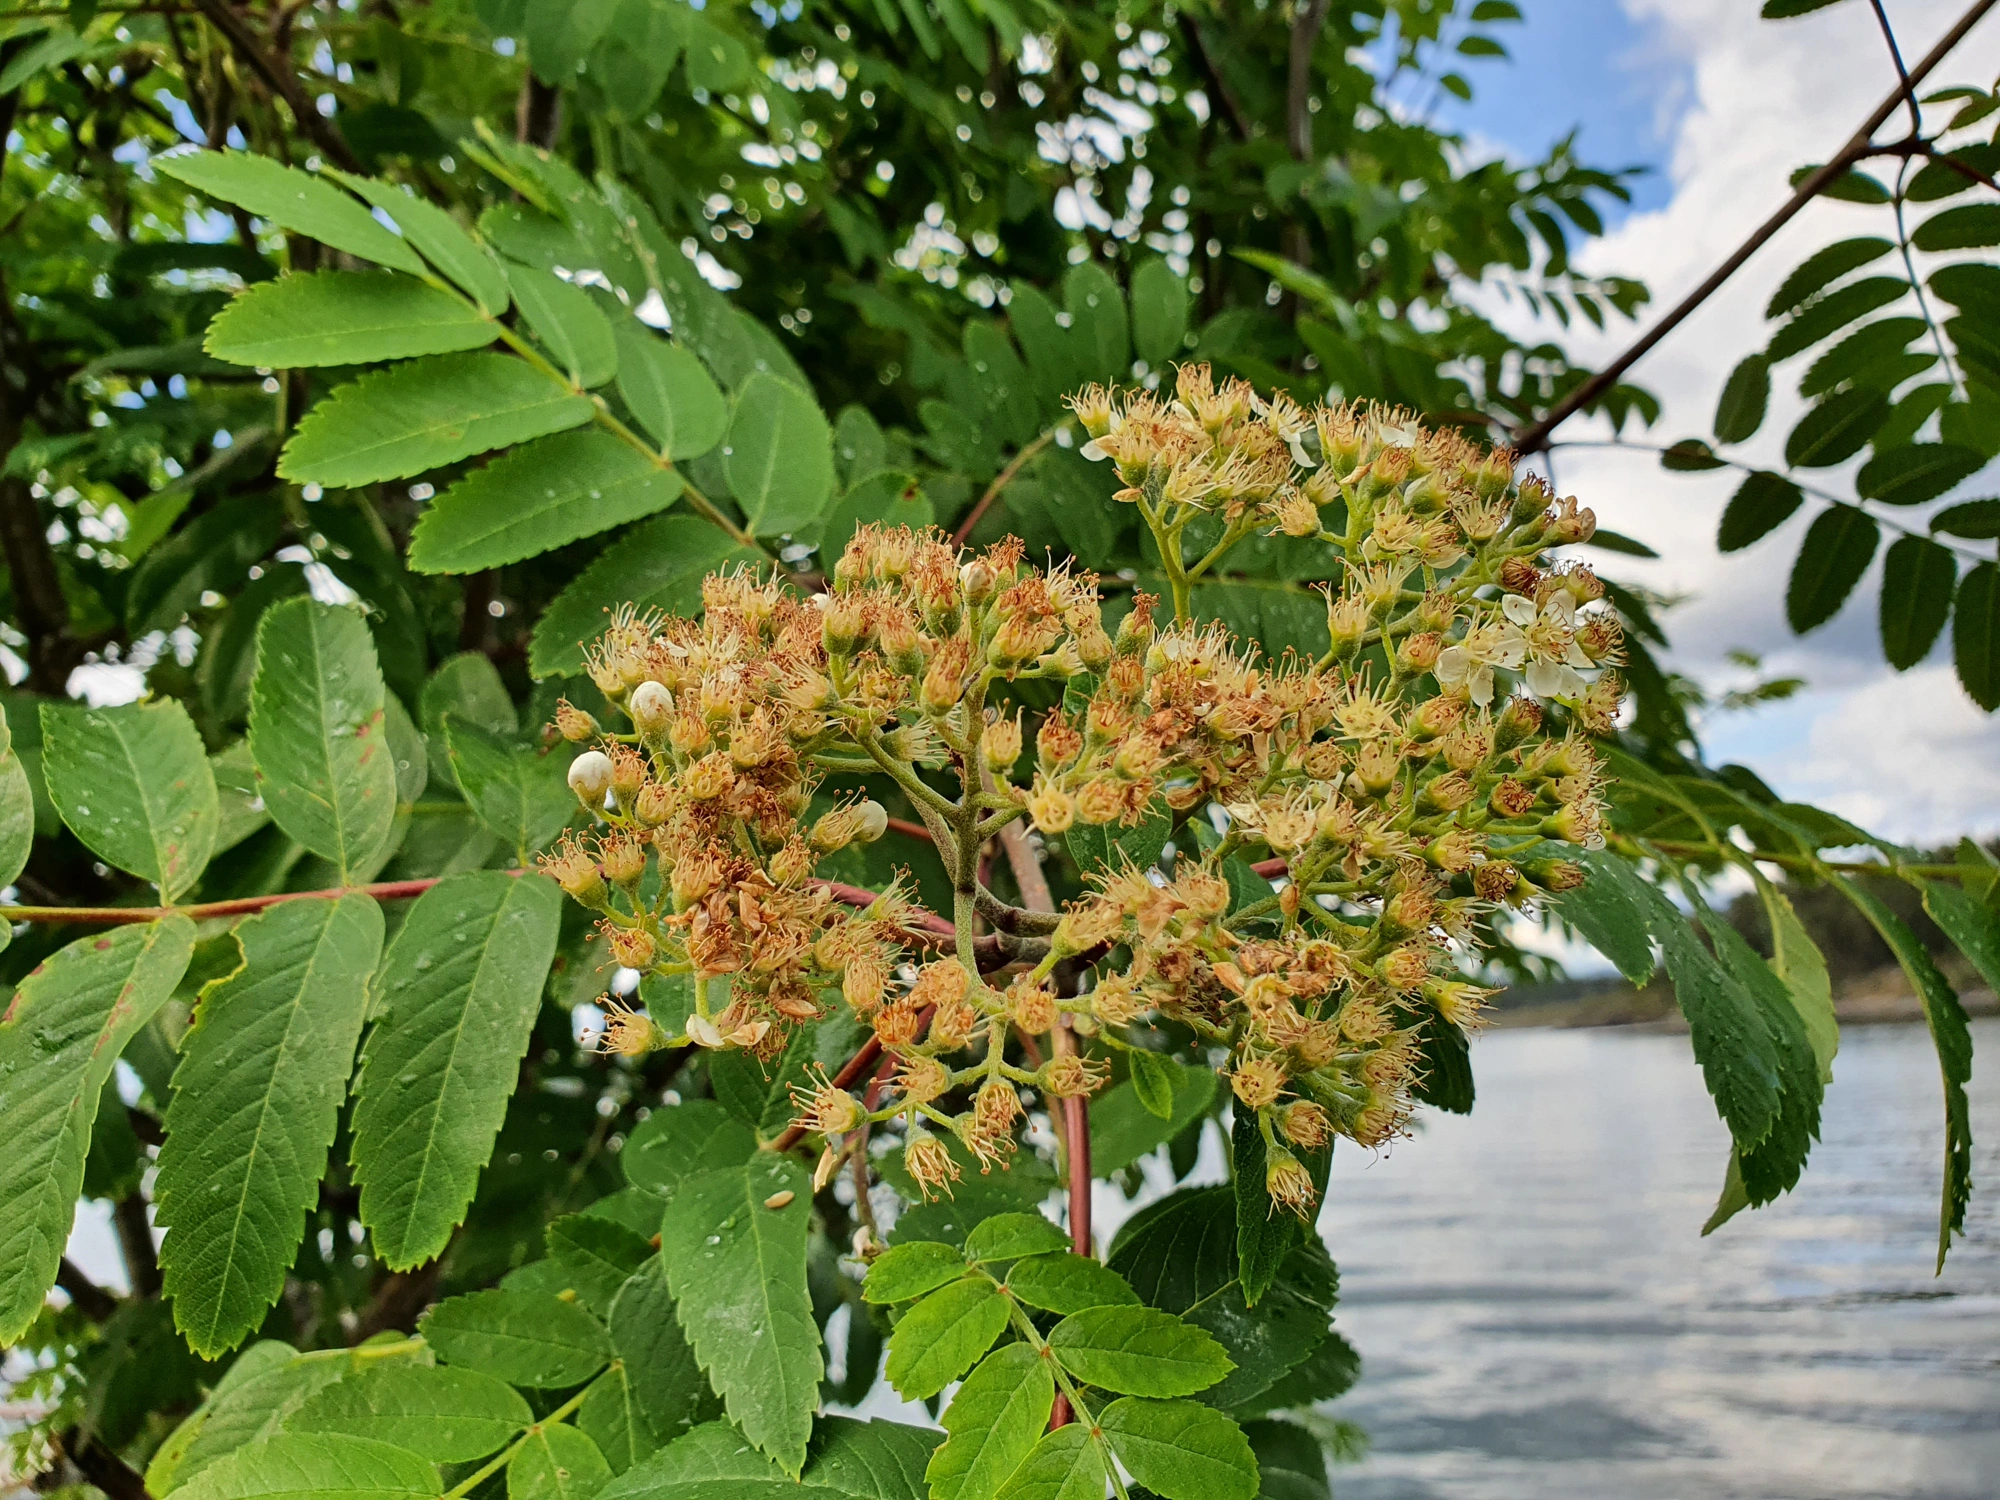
1420 652
1518 722
977 579
1495 881
590 778
652 709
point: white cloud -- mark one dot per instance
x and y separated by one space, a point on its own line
1767 98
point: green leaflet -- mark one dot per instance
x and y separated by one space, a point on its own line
908 1271
1065 1465
1739 411
847 1459
293 200
439 236
673 1144
1952 1036
669 392
1062 1281
343 318
17 811
1615 910
1918 577
456 1002
1123 1128
59 1038
134 784
442 1414
1098 332
738 1274
1138 1351
596 1256
1731 1042
659 565
1802 968
518 793
556 1463
257 1096
1264 1235
1761 504
1153 1082
1159 312
567 323
1975 635
888 496
779 455
1010 1236
612 1418
524 1338
940 1338
318 734
667 1383
537 498
316 1466
263 1386
1970 926
1181 1450
409 418
994 1421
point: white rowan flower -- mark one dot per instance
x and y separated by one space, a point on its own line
1555 660
1468 665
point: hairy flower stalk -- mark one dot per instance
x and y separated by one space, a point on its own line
1428 768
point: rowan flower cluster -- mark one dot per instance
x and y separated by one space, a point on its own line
1429 768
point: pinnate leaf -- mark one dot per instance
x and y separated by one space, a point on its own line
443 241
1138 1351
523 1338
316 1466
1067 1464
1837 549
1977 520
135 785
1761 504
257 1098
1916 472
908 1271
537 498
670 393
343 318
667 1383
779 457
292 200
940 1338
1975 635
994 1421
319 734
1822 268
457 998
59 1038
1009 1236
1740 410
1062 1281
567 324
738 1273
673 1144
409 418
519 794
444 1414
1917 580
596 1256
1181 1450
557 1462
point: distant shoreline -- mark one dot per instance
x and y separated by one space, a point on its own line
1875 999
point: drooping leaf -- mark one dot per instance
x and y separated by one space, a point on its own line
906 1272
256 1101
1181 1450
1740 410
666 1380
670 393
659 565
402 421
316 1466
521 795
1138 1351
318 733
456 1002
778 455
443 241
1916 472
292 200
1731 1042
523 1338
942 1337
537 498
737 1268
1836 429
1837 549
557 1462
994 1422
343 318
1972 927
566 323
1802 967
134 784
1917 581
1975 635
444 1414
1761 504
59 1039
1951 1034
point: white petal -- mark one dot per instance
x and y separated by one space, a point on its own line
1509 649
703 1032
1544 678
1562 606
1299 454
1482 686
1453 664
1091 451
1576 658
1518 608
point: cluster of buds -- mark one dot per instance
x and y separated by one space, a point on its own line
1407 786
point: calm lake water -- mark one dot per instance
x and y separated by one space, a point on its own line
1539 1316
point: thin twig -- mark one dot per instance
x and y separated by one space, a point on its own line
1534 438
1000 482
283 79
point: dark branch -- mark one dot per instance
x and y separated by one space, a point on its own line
135 1240
85 1295
282 78
1232 106
102 1467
